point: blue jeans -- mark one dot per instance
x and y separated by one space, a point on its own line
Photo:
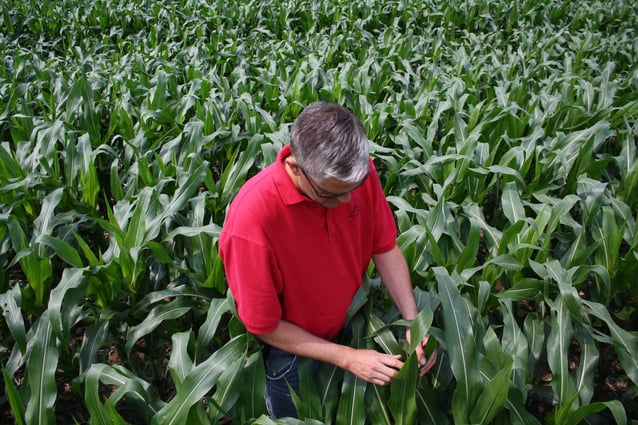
281 370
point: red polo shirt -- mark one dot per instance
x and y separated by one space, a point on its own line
288 257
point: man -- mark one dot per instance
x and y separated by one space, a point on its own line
297 240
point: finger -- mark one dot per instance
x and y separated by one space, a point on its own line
429 364
393 361
381 381
383 376
423 371
425 340
387 378
420 354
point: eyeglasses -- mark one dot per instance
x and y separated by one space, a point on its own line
330 195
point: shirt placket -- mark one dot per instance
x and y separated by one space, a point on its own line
329 220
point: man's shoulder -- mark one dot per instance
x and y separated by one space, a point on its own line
257 185
257 199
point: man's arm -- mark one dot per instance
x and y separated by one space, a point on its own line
395 275
369 365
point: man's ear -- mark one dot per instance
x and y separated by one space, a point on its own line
291 162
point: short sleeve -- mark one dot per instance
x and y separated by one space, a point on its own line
252 275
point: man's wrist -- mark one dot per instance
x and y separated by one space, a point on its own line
344 354
411 315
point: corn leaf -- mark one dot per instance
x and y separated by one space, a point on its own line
524 289
493 398
515 345
307 401
382 334
512 205
420 327
429 406
351 410
180 364
36 268
173 310
200 381
136 391
518 412
461 345
253 385
217 308
228 386
95 336
587 364
13 317
329 379
64 307
15 400
402 402
473 213
45 221
100 414
625 343
236 172
377 411
42 364
569 416
63 249
468 255
558 342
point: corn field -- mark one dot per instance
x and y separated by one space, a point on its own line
505 134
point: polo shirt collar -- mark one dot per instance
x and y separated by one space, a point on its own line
287 190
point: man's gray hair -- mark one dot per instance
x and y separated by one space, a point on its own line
329 141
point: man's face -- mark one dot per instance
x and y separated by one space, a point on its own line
332 192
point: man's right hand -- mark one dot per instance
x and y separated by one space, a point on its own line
373 366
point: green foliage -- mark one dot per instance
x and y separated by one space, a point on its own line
504 133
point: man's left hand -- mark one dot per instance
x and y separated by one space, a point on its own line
425 364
